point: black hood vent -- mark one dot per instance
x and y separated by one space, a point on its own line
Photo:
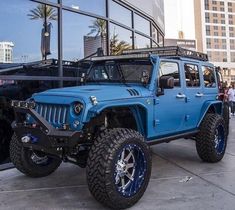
133 92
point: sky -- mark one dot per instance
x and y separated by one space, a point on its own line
179 16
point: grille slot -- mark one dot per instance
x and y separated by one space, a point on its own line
55 114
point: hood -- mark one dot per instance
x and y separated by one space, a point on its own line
101 92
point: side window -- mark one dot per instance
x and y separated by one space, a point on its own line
192 75
170 69
209 77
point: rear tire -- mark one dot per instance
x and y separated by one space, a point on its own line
31 163
119 168
211 141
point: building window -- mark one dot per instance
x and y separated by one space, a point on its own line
206 4
214 2
161 40
141 24
222 15
221 3
82 35
232 56
216 33
208 43
222 9
207 17
215 21
120 13
230 4
222 21
120 39
215 15
214 8
208 31
30 36
94 6
155 35
141 42
216 27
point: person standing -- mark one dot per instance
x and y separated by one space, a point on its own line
231 98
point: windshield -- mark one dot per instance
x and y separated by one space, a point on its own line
120 71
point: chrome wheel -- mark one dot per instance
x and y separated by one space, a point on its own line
219 139
130 169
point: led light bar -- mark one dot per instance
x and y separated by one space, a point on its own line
116 57
23 104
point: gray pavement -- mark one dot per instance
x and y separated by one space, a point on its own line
180 180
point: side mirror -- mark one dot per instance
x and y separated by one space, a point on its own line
166 82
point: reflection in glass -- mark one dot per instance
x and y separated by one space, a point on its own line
141 42
161 40
21 32
155 34
120 39
120 13
93 6
82 35
141 24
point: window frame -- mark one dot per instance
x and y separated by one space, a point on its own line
199 75
180 74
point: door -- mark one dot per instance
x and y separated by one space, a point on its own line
170 107
194 94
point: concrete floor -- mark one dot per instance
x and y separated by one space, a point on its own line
209 186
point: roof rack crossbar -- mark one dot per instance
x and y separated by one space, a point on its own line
169 51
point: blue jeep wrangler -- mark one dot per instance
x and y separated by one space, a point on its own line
126 103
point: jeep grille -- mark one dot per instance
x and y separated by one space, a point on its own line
54 114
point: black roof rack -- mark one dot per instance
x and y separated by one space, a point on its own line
169 51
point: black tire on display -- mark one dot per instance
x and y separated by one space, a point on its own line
118 168
226 115
211 141
31 163
5 137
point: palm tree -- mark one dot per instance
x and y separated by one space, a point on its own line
98 28
46 14
117 46
43 12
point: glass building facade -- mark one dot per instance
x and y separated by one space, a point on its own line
74 29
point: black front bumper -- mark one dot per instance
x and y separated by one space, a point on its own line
43 136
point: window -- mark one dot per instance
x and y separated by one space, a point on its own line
192 75
141 24
141 42
215 21
222 15
208 43
230 4
214 2
208 31
214 8
161 40
28 38
216 33
221 3
207 17
93 6
222 9
82 36
155 34
209 77
222 21
215 15
170 69
206 4
120 13
216 27
120 39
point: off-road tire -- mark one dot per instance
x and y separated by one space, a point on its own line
20 157
226 116
101 166
205 140
5 137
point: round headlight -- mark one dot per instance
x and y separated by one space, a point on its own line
78 108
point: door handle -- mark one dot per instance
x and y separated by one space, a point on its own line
180 95
199 95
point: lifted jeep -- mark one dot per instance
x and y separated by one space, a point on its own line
125 104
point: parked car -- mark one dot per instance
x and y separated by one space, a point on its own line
126 103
